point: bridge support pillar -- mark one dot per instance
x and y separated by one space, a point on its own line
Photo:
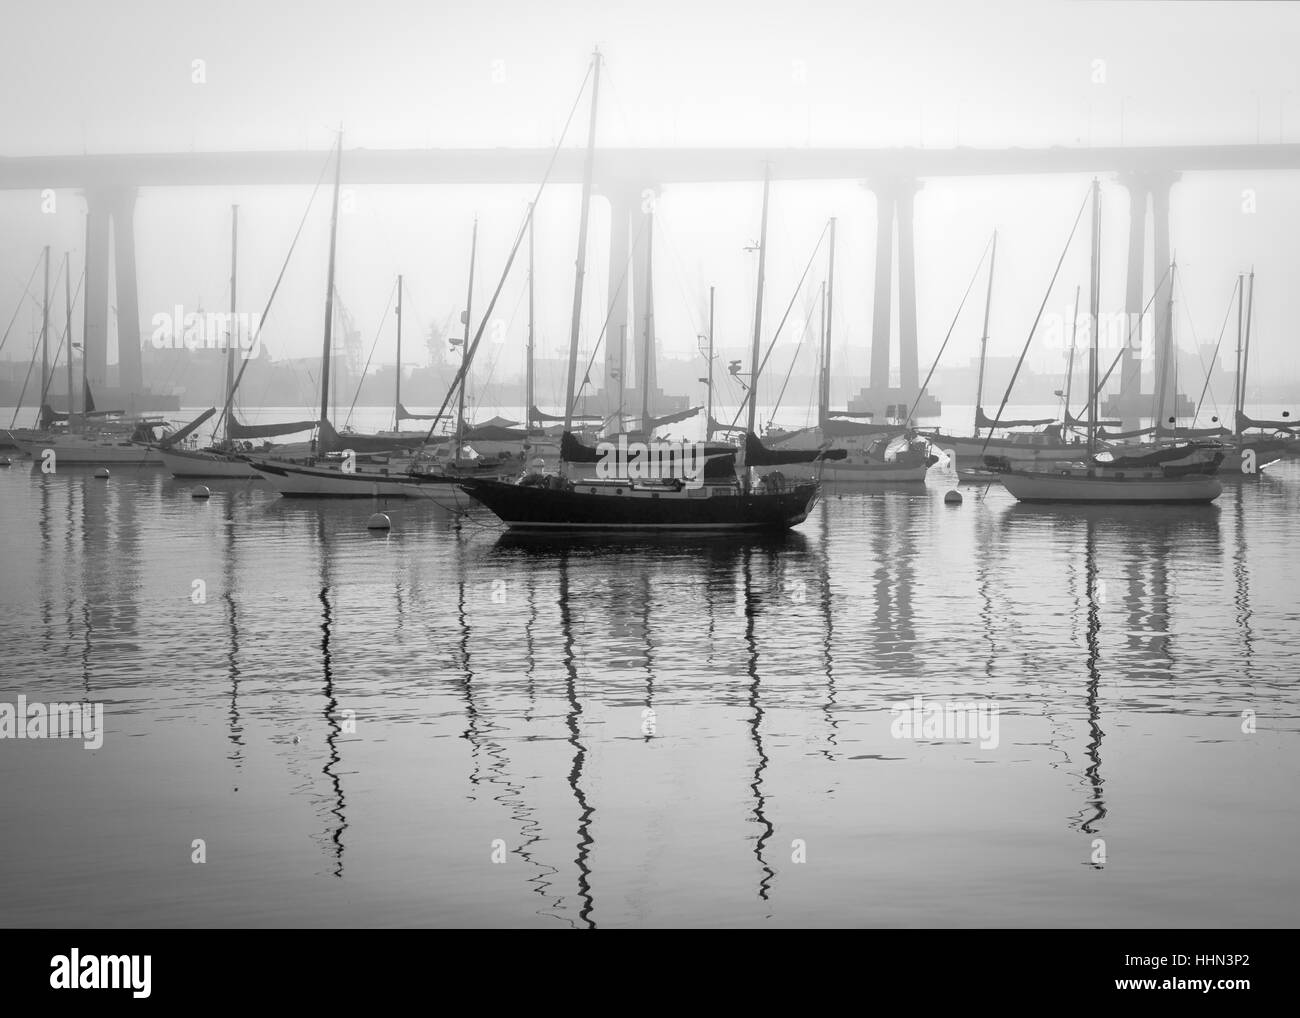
909 368
130 375
642 326
1131 405
115 208
95 296
880 305
895 202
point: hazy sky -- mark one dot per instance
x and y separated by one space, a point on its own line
117 78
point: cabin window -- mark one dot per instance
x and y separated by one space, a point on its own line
618 491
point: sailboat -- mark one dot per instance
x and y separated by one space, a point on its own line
1255 444
1145 478
715 499
113 438
332 472
874 453
1047 441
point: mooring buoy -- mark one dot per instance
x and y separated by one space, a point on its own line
102 473
952 498
202 491
379 521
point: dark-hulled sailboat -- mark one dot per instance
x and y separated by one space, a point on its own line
715 498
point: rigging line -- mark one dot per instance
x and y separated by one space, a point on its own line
969 286
679 270
27 292
1046 297
627 267
753 382
1215 356
468 358
31 364
383 319
790 370
63 337
1128 341
230 396
478 404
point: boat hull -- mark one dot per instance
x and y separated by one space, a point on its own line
294 480
1043 486
588 508
83 452
201 463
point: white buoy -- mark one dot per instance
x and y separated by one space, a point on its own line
102 473
202 491
952 498
379 521
5 461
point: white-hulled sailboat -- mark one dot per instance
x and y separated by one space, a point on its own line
1148 478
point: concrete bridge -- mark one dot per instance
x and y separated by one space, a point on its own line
111 183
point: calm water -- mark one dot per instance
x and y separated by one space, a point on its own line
648 733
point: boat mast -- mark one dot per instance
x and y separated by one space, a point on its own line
984 337
708 396
1094 283
1069 365
464 347
67 307
758 303
85 333
644 369
329 304
230 353
1236 378
528 356
581 266
45 333
828 324
397 389
1245 350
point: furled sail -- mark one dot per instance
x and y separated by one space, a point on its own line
719 460
539 416
717 426
246 431
405 415
494 433
189 429
332 441
1151 459
984 421
1244 422
759 455
1078 422
681 415
850 429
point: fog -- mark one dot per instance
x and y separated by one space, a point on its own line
92 78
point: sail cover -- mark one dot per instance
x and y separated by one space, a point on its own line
1244 422
681 415
1078 422
1153 458
719 460
245 431
716 426
539 416
494 433
759 455
984 421
850 429
189 429
405 415
332 441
